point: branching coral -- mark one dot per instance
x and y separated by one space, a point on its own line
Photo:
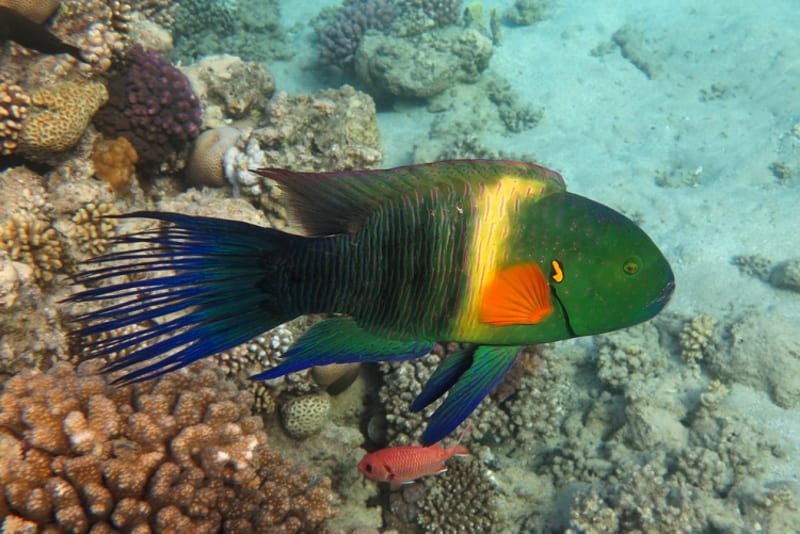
180 453
95 230
14 105
28 237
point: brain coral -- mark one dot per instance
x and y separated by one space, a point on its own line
58 116
178 454
151 104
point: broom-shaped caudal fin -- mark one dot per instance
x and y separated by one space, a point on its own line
195 285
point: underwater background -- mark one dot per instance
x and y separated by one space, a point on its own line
685 116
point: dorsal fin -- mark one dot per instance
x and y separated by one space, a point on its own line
338 202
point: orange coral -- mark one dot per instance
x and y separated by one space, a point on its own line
177 454
115 162
14 104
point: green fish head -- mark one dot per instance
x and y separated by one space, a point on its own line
605 273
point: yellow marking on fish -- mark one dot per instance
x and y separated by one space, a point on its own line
495 203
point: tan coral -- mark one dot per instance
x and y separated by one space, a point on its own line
58 116
14 105
28 237
36 10
177 454
94 230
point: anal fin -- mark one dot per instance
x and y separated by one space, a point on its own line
489 365
341 340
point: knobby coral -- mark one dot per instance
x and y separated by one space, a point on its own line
114 162
151 103
340 38
14 104
179 454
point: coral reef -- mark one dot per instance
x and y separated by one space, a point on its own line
151 103
204 27
424 65
95 231
442 12
630 355
339 39
528 404
29 237
333 129
114 162
526 12
230 89
14 105
461 500
180 453
697 338
58 116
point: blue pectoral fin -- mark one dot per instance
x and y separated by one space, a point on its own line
341 340
489 366
445 376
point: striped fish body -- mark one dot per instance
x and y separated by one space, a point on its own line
419 261
495 254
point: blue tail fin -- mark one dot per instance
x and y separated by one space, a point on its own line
211 284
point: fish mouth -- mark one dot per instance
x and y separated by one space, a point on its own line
659 301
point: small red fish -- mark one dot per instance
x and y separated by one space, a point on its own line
405 464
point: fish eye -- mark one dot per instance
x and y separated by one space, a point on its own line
368 467
557 271
631 266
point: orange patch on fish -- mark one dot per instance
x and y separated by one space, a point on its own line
518 294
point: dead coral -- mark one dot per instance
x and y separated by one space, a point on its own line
180 453
334 129
697 338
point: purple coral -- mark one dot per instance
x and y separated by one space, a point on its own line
339 40
151 103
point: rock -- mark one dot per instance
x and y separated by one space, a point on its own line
422 65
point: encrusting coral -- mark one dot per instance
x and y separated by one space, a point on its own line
178 454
